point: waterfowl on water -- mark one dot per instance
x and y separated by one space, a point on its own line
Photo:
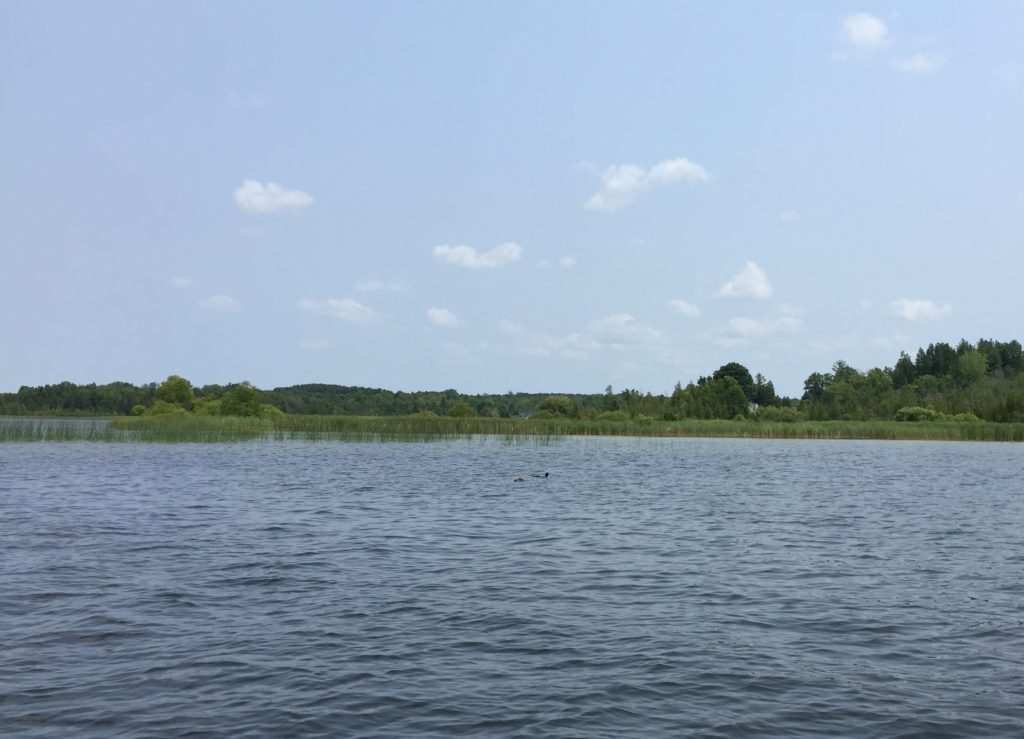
545 475
519 478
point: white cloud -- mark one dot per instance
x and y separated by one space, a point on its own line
622 330
258 197
467 256
567 261
789 216
622 183
314 345
618 332
671 171
345 309
181 283
373 286
919 63
743 330
864 31
750 282
220 304
918 310
442 317
683 308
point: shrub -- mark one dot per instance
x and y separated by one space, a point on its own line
613 416
914 413
163 408
775 414
461 409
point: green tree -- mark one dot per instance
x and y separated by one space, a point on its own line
560 405
738 372
461 409
814 386
242 400
176 390
764 391
971 367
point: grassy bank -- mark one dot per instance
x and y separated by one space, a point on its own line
187 428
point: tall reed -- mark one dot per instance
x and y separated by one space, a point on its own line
190 428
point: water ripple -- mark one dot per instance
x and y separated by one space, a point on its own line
655 588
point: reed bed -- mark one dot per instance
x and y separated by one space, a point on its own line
399 428
213 429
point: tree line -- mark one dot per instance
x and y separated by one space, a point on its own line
982 381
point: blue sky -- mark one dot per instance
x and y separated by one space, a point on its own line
527 196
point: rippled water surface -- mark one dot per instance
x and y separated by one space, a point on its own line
647 588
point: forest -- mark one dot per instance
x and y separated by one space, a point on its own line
981 381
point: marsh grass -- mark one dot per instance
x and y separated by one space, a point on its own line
213 429
57 429
398 428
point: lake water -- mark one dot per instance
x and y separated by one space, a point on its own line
647 588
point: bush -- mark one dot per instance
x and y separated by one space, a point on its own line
914 413
613 416
560 405
163 408
774 414
461 409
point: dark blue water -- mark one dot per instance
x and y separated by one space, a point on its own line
648 588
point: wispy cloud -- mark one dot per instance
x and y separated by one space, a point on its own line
220 304
466 256
375 286
617 332
442 317
345 309
864 31
621 330
919 63
622 183
916 311
512 328
742 330
789 216
259 197
683 308
750 282
865 35
181 283
567 261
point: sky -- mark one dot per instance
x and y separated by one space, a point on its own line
497 196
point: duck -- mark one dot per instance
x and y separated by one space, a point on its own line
519 478
543 476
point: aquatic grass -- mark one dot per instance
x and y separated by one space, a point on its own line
57 429
215 429
417 427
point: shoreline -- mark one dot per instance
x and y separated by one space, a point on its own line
190 428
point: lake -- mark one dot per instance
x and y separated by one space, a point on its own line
648 588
